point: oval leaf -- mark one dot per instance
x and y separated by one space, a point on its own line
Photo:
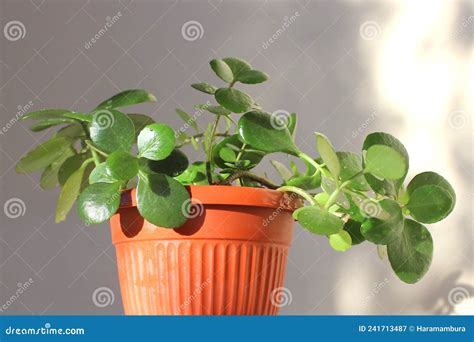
127 98
173 165
140 121
318 220
112 130
353 228
431 197
340 241
411 253
100 174
156 141
385 162
222 70
237 66
328 154
252 77
46 114
258 129
204 87
98 202
43 155
351 165
160 200
234 100
380 231
121 165
70 166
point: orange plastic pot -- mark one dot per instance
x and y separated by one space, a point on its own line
229 258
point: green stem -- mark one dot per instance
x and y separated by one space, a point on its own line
310 160
298 191
93 148
332 198
209 149
246 174
200 135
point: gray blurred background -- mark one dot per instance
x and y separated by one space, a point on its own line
346 67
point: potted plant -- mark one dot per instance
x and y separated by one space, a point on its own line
211 237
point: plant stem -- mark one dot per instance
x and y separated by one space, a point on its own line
310 160
332 198
93 148
200 135
300 192
246 174
209 150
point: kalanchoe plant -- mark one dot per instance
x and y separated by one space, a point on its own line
349 198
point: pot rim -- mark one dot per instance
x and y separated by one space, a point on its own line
230 195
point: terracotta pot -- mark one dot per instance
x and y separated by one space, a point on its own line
229 258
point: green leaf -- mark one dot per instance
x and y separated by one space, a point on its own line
351 165
238 66
173 165
252 77
258 130
71 165
383 232
69 193
187 119
100 174
318 220
227 155
328 154
112 130
79 116
47 123
160 200
122 165
305 182
140 121
431 197
195 174
330 186
234 100
385 187
127 98
49 177
156 141
204 87
71 131
218 110
234 143
46 114
411 253
222 70
353 228
340 241
43 155
384 162
281 169
98 202
292 123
